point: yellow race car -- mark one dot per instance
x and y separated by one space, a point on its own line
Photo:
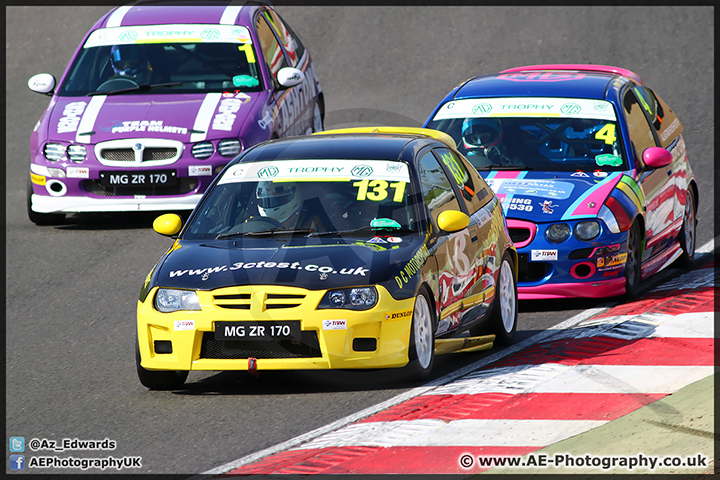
372 247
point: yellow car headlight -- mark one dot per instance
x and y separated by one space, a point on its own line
170 300
355 298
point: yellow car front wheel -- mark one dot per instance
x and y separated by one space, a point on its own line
422 338
159 379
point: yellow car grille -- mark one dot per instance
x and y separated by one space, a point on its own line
242 301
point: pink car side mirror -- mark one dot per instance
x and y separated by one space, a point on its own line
656 157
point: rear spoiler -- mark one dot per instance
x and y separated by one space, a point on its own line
583 67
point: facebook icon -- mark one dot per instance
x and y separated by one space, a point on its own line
17 462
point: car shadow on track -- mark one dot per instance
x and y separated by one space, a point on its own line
112 221
321 381
295 382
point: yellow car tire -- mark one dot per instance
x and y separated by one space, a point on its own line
422 339
159 379
505 305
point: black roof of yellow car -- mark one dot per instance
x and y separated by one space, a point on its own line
371 143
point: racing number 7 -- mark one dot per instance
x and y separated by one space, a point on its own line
379 190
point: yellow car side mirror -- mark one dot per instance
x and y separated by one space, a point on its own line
452 221
169 224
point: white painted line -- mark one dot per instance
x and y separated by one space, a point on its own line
467 432
687 325
624 379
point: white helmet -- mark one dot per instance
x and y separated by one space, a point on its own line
277 200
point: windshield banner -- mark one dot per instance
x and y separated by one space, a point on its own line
176 33
316 171
527 107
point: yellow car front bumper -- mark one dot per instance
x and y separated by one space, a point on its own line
331 338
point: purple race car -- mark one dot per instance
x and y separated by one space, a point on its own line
158 99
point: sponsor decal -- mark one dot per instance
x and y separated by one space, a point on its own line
579 173
205 272
193 33
37 179
412 267
670 130
377 240
608 159
334 324
242 96
393 239
361 170
225 117
533 188
547 206
199 170
515 203
179 325
71 117
268 172
570 109
527 107
601 106
612 260
384 223
393 316
330 171
155 126
78 172
600 174
210 34
315 169
481 108
540 255
266 120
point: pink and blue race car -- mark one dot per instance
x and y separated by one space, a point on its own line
592 171
157 99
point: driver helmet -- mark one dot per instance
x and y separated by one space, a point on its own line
481 132
130 61
277 200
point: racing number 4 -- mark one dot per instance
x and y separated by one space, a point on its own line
379 190
607 133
